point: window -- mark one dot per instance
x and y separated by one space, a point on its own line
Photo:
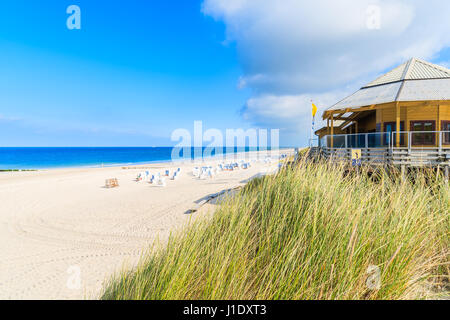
445 126
423 138
378 127
392 127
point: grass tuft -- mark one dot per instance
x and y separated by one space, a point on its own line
314 231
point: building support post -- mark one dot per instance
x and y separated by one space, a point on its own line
446 175
356 135
439 135
397 125
332 131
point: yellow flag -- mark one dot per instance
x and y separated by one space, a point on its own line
314 110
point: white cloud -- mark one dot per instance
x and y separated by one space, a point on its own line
445 64
291 51
289 113
285 111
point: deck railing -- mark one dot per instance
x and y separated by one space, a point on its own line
409 139
412 148
357 140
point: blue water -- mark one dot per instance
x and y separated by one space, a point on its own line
47 158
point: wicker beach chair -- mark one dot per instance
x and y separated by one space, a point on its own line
111 183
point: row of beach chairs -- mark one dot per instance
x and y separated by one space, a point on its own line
198 172
210 171
158 179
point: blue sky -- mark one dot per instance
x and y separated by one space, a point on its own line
137 70
130 76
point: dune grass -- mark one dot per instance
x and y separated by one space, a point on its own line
310 232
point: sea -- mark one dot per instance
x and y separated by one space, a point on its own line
33 158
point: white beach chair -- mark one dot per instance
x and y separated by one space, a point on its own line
196 172
202 175
159 181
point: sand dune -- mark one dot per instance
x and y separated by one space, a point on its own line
62 234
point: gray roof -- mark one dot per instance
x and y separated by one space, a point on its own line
415 80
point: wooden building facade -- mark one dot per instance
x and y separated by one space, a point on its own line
407 108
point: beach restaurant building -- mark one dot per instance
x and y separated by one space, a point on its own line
403 117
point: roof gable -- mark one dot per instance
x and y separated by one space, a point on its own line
415 80
414 69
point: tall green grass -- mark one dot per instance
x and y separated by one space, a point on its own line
310 232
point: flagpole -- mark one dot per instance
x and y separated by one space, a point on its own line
311 134
310 131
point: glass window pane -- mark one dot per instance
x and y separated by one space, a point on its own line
417 138
446 127
428 138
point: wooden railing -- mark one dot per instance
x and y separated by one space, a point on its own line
421 157
380 149
368 155
396 156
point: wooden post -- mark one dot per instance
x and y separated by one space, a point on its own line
397 125
328 126
407 127
446 174
438 134
381 133
332 131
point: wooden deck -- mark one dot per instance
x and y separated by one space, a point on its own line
410 157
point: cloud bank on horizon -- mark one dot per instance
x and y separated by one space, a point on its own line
293 51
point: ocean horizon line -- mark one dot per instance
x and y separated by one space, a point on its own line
45 158
58 147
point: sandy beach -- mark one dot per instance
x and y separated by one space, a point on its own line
62 234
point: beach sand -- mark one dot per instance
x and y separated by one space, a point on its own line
62 234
